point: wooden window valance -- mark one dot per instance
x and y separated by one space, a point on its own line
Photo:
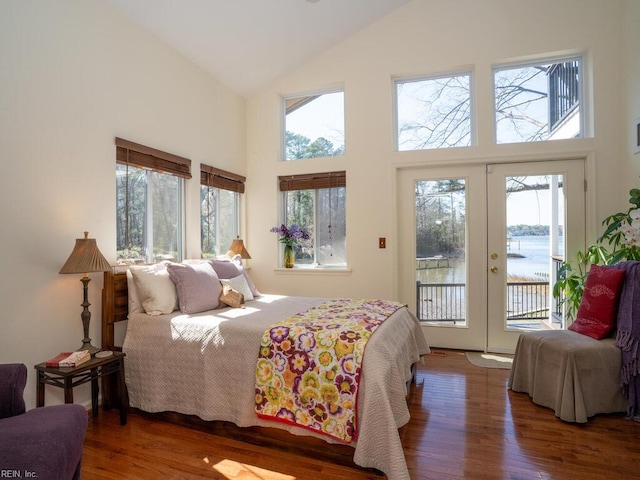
215 177
311 181
130 153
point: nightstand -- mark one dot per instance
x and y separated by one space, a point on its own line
70 377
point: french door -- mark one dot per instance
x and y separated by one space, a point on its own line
479 247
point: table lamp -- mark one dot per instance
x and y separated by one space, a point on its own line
85 258
237 248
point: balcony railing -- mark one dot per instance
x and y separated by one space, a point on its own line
564 92
445 302
441 302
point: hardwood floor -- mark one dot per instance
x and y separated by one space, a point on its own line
464 424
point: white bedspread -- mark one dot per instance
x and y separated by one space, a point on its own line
204 365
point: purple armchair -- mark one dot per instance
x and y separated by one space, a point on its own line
43 443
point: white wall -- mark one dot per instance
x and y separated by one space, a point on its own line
75 74
423 38
632 100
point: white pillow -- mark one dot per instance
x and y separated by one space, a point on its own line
239 283
237 261
154 287
134 302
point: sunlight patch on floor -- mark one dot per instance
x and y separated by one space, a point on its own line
497 358
234 470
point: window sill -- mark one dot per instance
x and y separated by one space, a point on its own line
313 271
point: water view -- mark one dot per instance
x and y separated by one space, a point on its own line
528 264
528 258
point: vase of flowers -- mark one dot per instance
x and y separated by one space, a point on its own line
289 256
289 237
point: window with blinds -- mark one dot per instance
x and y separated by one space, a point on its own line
219 209
149 203
317 204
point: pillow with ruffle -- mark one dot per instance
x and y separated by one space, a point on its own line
133 301
155 290
197 286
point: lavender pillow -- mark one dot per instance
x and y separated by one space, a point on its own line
197 285
225 269
232 268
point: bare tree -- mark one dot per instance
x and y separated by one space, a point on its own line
530 102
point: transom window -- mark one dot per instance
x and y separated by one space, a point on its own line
317 204
149 203
434 112
540 101
219 209
314 126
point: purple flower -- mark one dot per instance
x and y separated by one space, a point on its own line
306 342
345 384
291 235
299 362
286 414
279 333
319 413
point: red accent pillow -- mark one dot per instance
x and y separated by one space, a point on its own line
598 308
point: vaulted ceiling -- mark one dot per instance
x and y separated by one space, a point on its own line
246 44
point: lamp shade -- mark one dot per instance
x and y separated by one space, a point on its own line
85 257
237 248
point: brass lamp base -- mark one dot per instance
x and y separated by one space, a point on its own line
86 317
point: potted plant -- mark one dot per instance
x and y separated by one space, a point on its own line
289 237
619 242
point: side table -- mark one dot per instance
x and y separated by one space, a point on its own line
70 377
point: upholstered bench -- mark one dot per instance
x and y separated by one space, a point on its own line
575 375
584 371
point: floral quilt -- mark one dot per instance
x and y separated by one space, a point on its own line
309 365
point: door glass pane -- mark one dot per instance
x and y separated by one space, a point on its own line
441 272
534 245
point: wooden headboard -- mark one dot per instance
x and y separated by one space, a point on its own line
115 306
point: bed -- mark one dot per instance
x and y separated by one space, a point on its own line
201 368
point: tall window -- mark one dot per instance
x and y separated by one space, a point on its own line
540 101
434 112
219 209
314 126
149 203
317 204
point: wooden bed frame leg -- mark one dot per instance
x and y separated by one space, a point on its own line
412 380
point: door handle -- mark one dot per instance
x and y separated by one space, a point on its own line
494 269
